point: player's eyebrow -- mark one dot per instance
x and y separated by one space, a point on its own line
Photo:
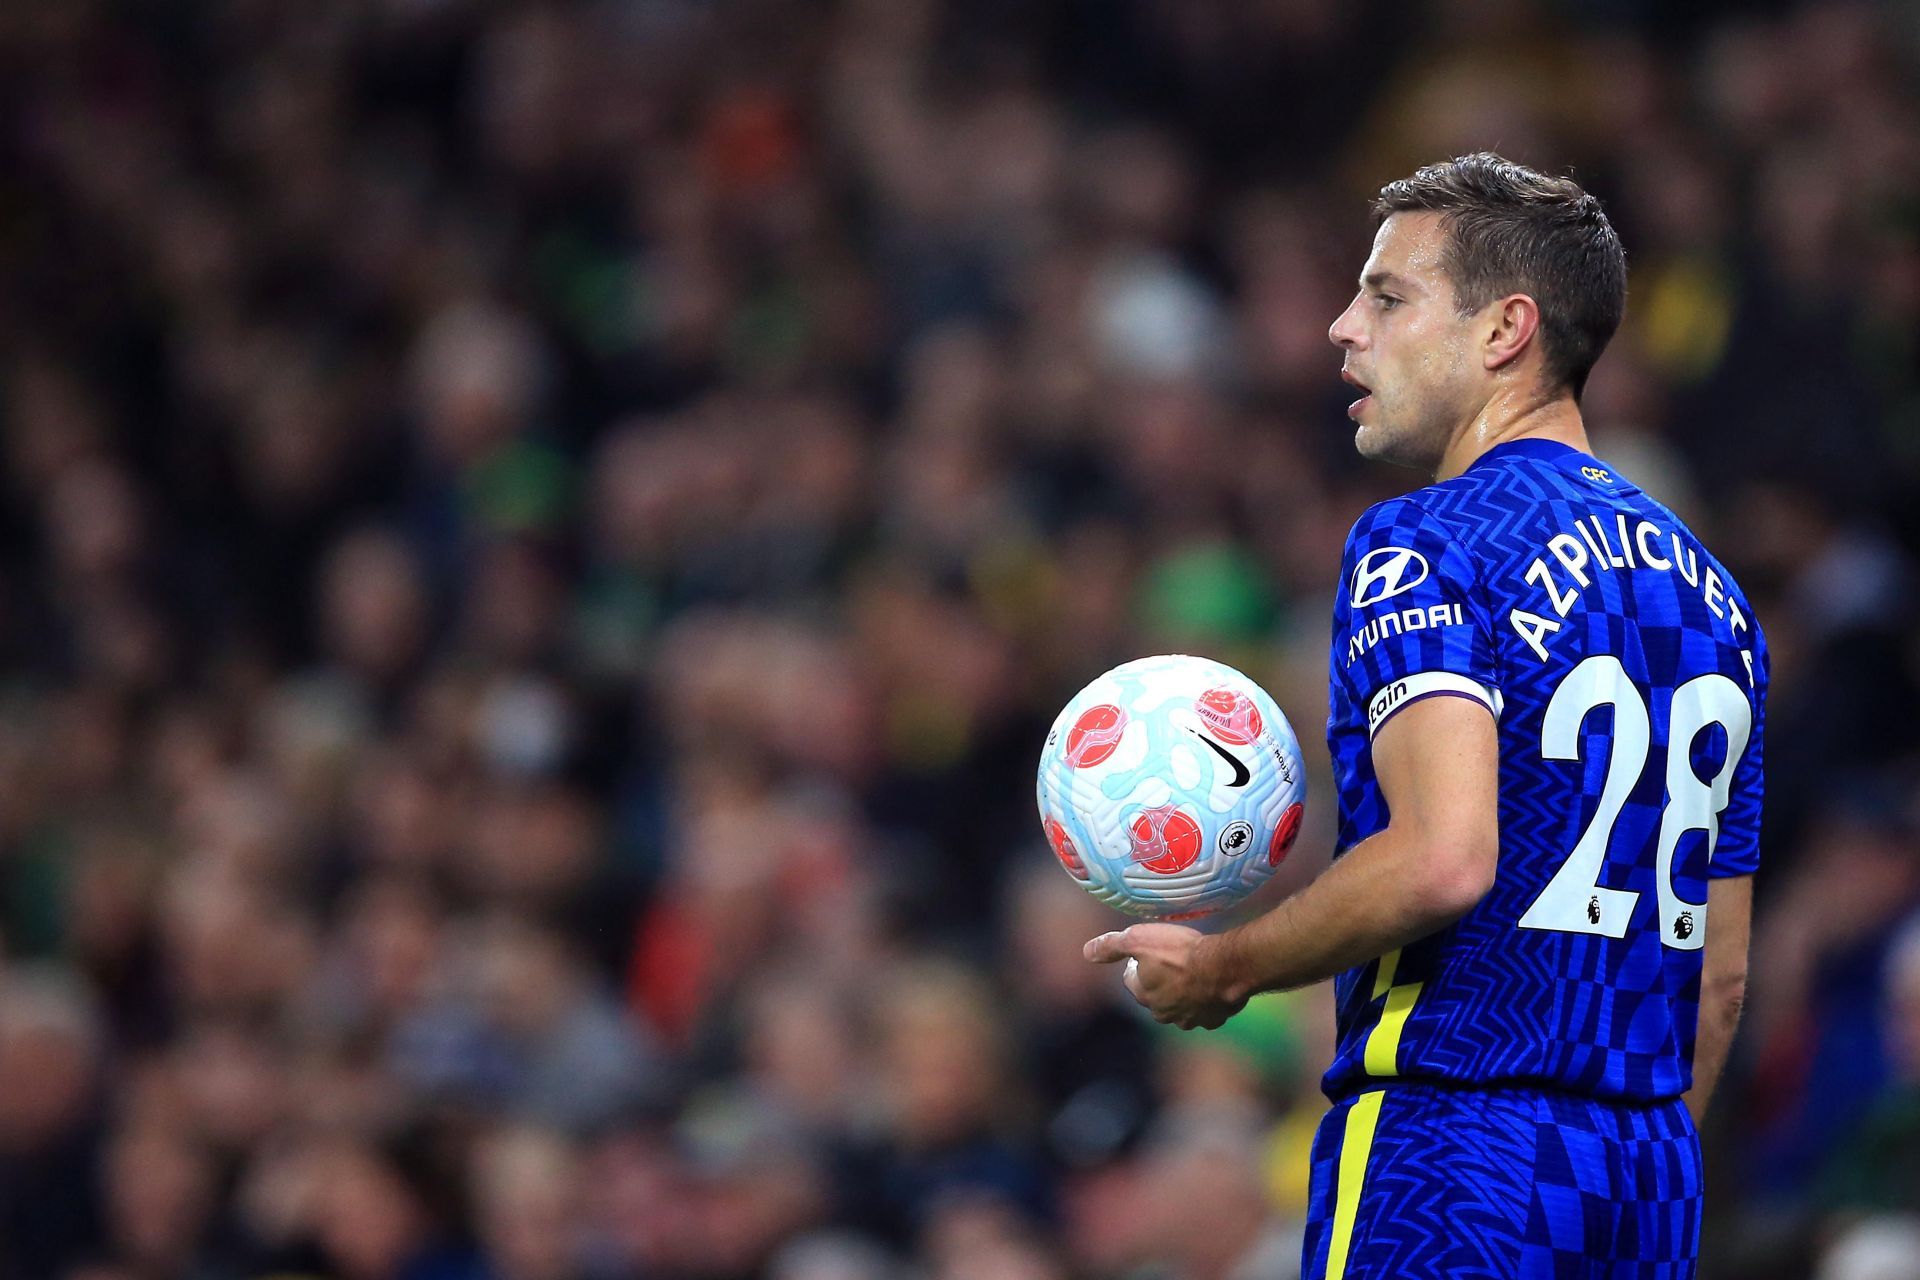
1385 280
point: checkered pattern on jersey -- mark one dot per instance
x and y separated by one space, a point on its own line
1577 1009
1513 1184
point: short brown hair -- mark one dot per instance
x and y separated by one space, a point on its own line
1511 229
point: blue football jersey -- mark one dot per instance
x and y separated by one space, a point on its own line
1628 678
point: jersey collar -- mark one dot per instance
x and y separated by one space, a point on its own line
1564 455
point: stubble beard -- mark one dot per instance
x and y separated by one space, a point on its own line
1412 436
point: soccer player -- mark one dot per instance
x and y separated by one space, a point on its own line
1546 710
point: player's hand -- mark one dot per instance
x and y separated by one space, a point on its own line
1167 974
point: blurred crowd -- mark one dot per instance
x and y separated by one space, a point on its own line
541 540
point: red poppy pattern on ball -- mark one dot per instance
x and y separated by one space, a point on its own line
1063 849
1166 840
1095 735
1285 834
1230 714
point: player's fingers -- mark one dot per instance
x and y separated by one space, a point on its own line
1108 947
1130 979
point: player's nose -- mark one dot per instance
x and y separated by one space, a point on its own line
1345 332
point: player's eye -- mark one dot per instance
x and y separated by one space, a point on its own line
1387 301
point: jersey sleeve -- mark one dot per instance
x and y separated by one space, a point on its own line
1737 850
1412 619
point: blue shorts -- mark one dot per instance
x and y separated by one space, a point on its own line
1414 1181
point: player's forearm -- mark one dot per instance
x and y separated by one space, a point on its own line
1387 891
1720 1006
1723 984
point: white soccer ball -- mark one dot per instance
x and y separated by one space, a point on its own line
1171 787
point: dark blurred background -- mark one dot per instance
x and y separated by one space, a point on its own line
540 541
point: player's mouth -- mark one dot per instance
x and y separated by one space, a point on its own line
1353 410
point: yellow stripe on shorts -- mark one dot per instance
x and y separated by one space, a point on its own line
1355 1144
1383 975
1382 1056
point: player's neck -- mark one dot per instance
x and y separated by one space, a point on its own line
1508 418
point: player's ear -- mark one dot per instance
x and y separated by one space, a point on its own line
1511 325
